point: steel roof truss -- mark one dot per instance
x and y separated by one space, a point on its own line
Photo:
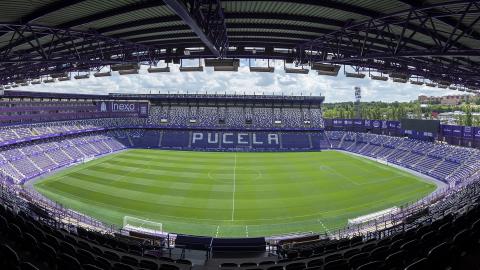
207 21
347 48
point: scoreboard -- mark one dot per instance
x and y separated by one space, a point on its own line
430 126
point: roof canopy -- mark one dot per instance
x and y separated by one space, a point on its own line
434 39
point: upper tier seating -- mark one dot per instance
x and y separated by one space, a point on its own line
179 116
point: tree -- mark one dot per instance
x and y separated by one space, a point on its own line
476 121
398 110
468 116
418 112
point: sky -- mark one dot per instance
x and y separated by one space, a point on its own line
335 89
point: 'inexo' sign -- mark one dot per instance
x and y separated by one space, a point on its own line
139 108
123 107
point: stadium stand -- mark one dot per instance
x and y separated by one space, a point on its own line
432 43
38 234
446 236
29 159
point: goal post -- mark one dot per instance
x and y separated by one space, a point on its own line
142 225
383 161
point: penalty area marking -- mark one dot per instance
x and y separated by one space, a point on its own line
234 185
324 227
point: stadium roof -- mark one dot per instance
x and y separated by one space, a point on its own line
438 40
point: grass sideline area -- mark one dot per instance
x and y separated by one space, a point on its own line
228 194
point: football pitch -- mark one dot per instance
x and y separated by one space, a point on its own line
228 194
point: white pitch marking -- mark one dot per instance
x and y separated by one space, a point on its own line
216 234
234 185
324 227
246 229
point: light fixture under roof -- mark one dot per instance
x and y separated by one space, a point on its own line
158 69
80 77
191 69
379 78
416 82
102 74
262 69
128 72
326 69
297 70
355 75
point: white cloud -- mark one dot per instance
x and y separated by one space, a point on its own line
335 89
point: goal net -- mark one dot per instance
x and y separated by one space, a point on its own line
142 225
374 216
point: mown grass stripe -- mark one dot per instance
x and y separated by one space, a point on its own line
191 192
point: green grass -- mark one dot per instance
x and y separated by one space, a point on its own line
233 194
